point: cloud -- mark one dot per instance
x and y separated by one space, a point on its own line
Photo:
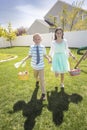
25 13
28 14
31 10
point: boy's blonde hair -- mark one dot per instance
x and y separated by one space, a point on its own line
37 34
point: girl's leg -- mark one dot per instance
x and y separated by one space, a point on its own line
56 74
56 79
62 80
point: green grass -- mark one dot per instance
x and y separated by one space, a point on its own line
6 56
21 110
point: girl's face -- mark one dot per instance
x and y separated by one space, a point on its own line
59 34
37 39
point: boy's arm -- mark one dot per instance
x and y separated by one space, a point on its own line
26 58
48 58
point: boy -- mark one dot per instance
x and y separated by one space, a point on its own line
37 53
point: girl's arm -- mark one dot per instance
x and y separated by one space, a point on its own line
71 54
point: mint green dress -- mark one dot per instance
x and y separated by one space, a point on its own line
60 53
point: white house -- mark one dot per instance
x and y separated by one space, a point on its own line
46 25
39 26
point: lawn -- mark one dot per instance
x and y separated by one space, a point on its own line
6 56
20 107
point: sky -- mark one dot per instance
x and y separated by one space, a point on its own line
22 13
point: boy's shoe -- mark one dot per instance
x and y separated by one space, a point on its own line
37 83
62 85
43 96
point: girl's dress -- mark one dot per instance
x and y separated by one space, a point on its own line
59 53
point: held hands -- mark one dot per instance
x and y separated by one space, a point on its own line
49 61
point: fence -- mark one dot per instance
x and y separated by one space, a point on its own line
75 39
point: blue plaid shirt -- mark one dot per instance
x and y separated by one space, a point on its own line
33 53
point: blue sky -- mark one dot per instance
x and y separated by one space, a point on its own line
25 12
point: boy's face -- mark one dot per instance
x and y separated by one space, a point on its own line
37 39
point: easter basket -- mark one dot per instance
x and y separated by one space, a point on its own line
23 75
74 72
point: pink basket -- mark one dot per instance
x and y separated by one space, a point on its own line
75 72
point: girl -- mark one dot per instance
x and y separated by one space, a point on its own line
59 52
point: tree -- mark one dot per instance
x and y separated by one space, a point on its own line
21 31
9 34
2 31
63 17
74 17
71 19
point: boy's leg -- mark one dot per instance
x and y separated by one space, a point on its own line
41 77
36 76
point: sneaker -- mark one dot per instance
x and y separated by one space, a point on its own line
62 85
37 83
43 96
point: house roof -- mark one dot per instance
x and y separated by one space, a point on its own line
56 7
42 22
54 12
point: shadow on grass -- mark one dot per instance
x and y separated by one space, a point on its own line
83 71
30 110
58 102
